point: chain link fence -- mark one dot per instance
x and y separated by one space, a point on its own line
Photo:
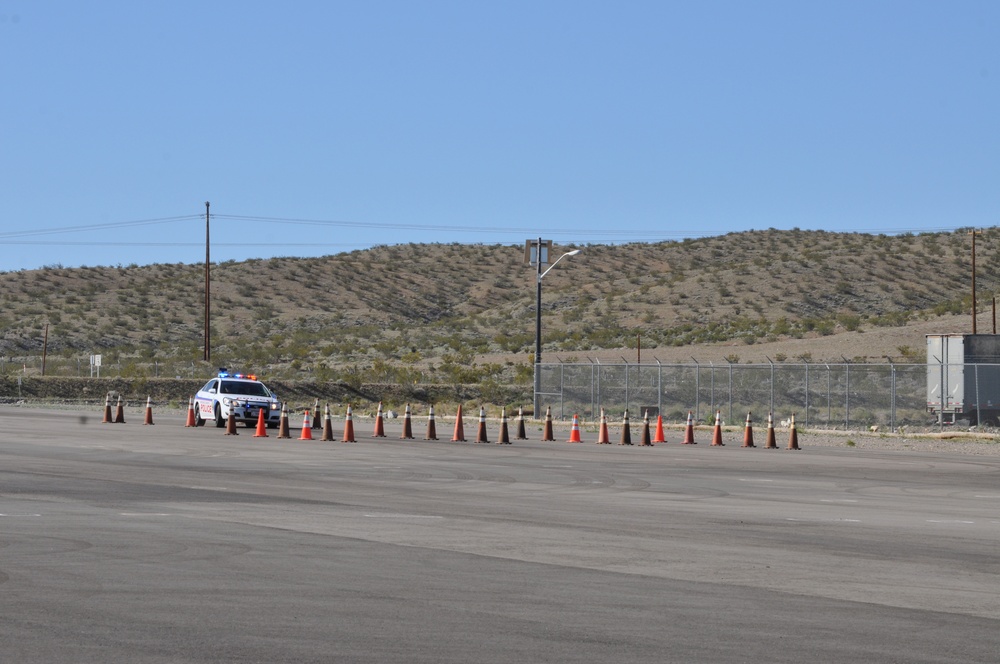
841 396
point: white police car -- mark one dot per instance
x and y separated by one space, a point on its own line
243 395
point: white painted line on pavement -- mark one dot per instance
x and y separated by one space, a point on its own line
15 515
837 500
402 516
948 521
144 514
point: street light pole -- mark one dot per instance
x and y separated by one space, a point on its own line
538 320
538 328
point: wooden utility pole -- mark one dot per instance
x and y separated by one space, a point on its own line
974 233
208 334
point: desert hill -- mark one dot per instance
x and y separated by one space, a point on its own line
451 312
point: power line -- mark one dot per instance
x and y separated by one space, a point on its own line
96 227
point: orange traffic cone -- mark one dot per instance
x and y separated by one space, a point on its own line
261 425
602 432
317 423
748 433
149 411
307 433
658 437
327 425
626 438
717 431
231 423
190 418
793 435
504 434
574 433
547 432
481 436
459 436
120 411
107 409
431 427
283 431
770 443
646 442
521 435
689 431
349 426
379 424
407 430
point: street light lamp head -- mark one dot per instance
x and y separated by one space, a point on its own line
573 253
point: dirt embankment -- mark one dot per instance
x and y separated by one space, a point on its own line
295 393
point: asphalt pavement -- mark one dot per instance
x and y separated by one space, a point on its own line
163 543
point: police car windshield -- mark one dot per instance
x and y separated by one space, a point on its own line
246 388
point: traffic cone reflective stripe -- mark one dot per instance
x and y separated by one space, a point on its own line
748 433
283 431
793 436
504 434
646 441
481 436
349 426
547 434
190 417
521 435
407 427
770 443
602 432
379 423
658 437
574 433
431 426
459 435
626 438
306 427
327 425
148 419
717 430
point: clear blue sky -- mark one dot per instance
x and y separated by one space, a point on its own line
390 122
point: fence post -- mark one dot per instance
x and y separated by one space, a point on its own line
892 402
600 402
593 404
562 392
711 393
659 387
697 389
771 404
807 393
829 395
626 382
730 391
847 395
